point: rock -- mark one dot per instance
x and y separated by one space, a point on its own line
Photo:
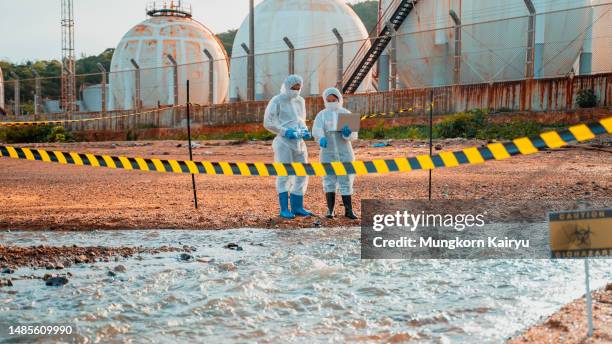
609 287
6 283
232 246
59 266
80 259
438 147
205 259
120 268
111 274
50 267
47 276
185 257
227 267
56 281
7 271
317 223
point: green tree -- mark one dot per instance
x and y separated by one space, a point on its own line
368 12
227 38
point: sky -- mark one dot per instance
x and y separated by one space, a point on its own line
30 29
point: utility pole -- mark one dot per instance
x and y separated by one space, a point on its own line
211 77
457 67
137 98
339 58
393 54
37 95
103 85
17 95
68 94
251 62
531 37
291 54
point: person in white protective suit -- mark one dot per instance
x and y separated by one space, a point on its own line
286 117
335 146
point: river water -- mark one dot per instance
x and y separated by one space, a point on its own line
288 286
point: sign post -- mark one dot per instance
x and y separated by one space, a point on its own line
582 234
589 306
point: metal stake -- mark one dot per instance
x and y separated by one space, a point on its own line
589 306
193 183
431 97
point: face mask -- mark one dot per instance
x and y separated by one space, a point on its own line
335 106
293 93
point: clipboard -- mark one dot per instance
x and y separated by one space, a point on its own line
352 120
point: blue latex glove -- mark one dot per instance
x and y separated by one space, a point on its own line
346 131
323 142
306 135
291 134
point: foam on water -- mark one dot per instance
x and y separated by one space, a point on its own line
288 286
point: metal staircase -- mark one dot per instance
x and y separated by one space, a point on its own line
368 54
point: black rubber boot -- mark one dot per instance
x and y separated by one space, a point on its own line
348 207
330 197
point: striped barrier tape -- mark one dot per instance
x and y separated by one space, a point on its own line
391 113
473 155
66 121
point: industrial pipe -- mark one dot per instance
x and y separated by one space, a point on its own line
340 58
211 77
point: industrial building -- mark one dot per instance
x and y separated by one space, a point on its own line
155 58
481 41
297 37
416 44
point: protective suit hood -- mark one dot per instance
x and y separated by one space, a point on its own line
332 90
289 82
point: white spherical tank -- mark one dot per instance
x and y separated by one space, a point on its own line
494 40
307 24
149 43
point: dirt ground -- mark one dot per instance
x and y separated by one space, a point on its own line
569 324
42 196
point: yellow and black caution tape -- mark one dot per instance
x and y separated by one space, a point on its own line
83 120
473 155
391 113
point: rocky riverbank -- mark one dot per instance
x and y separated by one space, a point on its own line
569 324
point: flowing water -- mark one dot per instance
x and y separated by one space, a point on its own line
288 286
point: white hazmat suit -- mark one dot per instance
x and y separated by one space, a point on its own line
287 111
339 147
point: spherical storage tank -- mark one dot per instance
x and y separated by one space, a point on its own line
168 31
494 38
307 24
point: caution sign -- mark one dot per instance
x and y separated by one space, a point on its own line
581 233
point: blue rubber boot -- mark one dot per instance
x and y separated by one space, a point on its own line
297 206
283 200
